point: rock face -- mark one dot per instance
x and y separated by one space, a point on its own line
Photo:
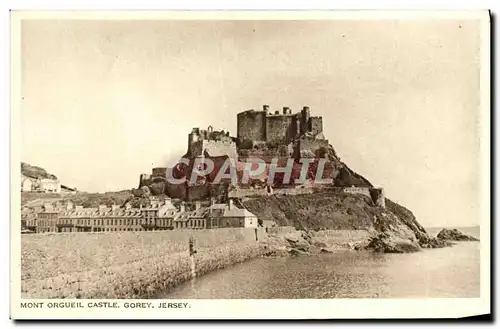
384 242
454 235
392 229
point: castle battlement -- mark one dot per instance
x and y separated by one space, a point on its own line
213 142
278 128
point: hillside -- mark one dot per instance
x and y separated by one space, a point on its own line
35 172
393 229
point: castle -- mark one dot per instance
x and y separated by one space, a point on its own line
264 127
262 133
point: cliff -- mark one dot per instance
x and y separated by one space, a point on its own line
392 229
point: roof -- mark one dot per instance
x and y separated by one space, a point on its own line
28 216
218 206
48 180
237 212
167 213
95 213
186 215
217 213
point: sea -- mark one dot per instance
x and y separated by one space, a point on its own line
431 273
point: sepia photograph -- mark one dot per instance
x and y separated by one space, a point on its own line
164 159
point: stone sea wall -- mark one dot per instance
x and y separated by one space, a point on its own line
127 264
280 230
338 239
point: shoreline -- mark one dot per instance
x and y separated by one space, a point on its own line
159 261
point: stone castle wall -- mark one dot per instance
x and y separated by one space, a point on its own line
376 194
279 128
308 147
251 126
214 148
275 128
316 124
159 171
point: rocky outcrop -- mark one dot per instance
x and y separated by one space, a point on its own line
385 242
454 235
297 243
392 229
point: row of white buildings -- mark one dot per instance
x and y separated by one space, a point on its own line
46 185
157 216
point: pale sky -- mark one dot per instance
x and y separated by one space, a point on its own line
105 101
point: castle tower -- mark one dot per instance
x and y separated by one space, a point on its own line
193 137
297 126
305 115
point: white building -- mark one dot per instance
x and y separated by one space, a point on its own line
236 217
26 184
50 185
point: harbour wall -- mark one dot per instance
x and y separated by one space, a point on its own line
128 264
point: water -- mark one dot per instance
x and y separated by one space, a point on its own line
446 272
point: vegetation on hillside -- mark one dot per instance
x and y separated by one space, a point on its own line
392 227
35 172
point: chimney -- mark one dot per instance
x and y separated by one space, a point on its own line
230 204
69 205
265 108
128 206
286 110
182 207
115 207
197 205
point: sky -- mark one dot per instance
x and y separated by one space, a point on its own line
104 101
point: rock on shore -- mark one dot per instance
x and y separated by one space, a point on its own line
454 235
297 243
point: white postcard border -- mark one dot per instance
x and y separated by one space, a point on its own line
256 309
